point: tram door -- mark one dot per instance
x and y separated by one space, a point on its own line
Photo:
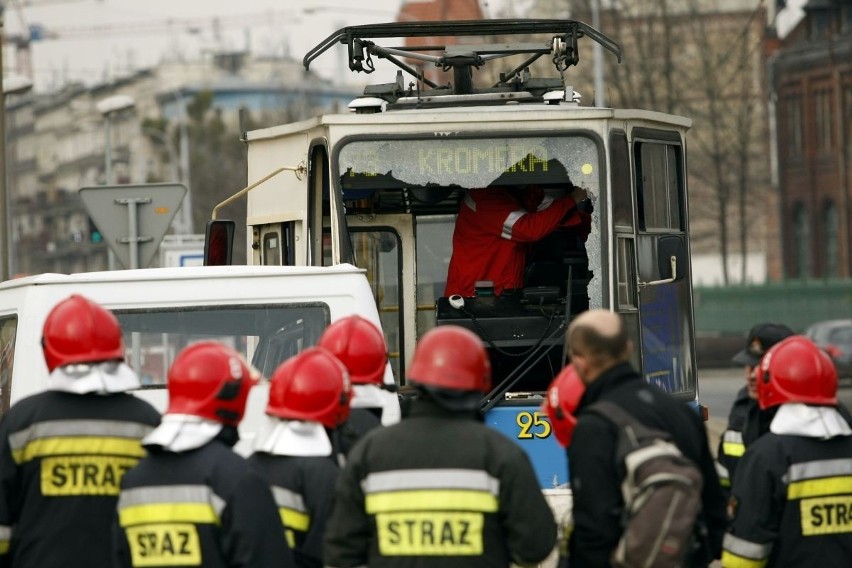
383 245
662 262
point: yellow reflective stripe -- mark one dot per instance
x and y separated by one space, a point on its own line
820 487
89 445
731 560
293 519
733 449
724 482
432 500
168 513
5 536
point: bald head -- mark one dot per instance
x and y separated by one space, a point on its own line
596 341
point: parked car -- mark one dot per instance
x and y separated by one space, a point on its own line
835 336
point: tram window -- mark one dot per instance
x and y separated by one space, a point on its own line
626 274
622 194
271 249
378 251
659 184
434 248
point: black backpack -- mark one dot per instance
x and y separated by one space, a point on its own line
662 494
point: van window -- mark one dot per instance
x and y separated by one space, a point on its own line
8 329
265 334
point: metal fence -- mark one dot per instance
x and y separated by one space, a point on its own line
732 310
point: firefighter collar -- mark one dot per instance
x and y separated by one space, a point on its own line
182 432
293 438
797 419
373 396
97 378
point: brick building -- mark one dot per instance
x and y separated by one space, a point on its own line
812 83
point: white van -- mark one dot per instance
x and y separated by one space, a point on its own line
268 313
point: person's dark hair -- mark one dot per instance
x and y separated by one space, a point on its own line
590 342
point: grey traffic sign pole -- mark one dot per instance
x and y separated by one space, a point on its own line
133 239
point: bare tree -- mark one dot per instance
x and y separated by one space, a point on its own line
700 59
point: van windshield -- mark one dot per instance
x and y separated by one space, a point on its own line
265 335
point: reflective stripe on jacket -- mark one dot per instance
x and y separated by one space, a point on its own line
439 489
62 458
791 504
205 507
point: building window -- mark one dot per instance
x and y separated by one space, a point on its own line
801 242
822 99
846 19
794 127
820 24
831 228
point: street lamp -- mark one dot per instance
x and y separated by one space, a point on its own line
10 85
108 108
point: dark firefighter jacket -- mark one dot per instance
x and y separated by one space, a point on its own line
438 489
62 457
492 234
303 488
746 423
791 504
596 478
203 507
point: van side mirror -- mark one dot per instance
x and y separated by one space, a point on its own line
219 242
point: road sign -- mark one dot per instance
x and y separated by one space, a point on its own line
133 218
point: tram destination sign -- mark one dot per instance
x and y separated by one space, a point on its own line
469 162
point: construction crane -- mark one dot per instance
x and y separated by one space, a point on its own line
26 33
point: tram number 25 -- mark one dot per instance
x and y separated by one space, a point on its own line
533 425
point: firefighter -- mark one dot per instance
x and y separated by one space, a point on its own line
63 451
746 422
440 488
308 394
193 501
790 501
360 346
560 404
494 229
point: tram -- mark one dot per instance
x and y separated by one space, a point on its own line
380 187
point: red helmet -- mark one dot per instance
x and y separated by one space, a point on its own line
77 330
563 398
360 346
210 380
313 385
451 358
796 370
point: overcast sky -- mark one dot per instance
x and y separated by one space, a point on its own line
102 39
98 40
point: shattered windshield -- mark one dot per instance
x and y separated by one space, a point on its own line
466 163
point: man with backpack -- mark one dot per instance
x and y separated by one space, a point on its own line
599 347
